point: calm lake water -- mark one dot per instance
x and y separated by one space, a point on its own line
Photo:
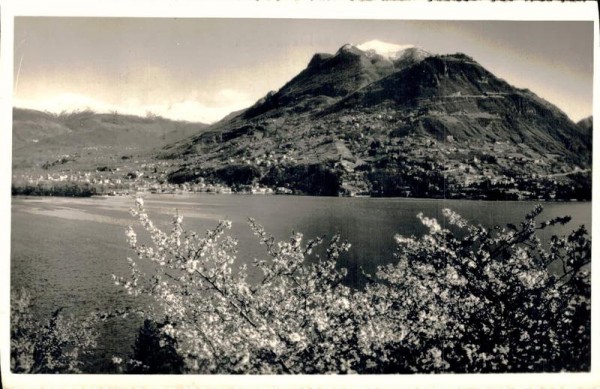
64 250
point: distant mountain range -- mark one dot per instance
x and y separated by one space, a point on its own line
42 136
357 122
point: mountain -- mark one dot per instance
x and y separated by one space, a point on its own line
393 124
41 137
587 125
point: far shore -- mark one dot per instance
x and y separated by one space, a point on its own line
145 194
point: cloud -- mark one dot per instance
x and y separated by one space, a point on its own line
196 108
231 96
195 111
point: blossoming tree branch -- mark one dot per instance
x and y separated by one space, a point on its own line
477 300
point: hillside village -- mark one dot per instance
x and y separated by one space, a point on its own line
447 170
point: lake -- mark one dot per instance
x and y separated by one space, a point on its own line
64 250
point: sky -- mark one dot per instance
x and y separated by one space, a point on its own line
203 69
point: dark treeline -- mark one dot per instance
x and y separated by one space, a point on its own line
60 188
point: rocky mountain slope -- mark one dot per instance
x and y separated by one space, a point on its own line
413 123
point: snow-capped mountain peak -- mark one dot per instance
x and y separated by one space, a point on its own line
385 49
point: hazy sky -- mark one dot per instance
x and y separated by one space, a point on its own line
202 69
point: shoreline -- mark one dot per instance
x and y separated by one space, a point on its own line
191 194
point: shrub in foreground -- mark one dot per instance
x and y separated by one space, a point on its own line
475 301
486 302
54 346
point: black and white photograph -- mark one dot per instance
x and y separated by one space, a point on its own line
298 195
